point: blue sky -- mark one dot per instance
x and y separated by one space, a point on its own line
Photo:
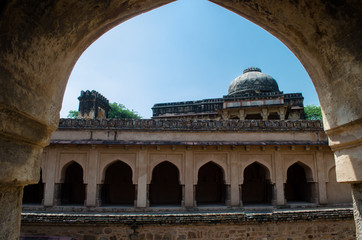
186 50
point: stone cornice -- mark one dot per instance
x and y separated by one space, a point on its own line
187 218
189 125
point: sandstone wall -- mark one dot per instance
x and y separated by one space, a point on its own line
297 225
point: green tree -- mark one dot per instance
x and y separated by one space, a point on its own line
72 114
120 111
313 112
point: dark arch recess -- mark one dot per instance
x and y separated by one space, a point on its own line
210 187
73 188
118 188
297 189
165 187
256 187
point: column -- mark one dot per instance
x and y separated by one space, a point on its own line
279 181
242 114
189 179
49 186
264 114
234 184
322 186
357 208
142 180
21 149
346 143
91 200
10 210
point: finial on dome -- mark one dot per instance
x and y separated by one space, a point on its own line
252 69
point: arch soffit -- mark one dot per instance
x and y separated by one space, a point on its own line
105 165
308 169
219 163
264 164
174 162
65 167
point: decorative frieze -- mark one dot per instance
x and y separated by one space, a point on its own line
190 125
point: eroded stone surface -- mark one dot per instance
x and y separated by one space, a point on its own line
10 207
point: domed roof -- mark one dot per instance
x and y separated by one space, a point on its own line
253 80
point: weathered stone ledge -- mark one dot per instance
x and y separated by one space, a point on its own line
191 125
191 143
339 214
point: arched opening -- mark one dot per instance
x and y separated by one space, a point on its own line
256 116
274 116
34 193
337 192
118 188
165 187
72 190
297 188
256 187
210 187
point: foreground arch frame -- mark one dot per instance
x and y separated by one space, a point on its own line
40 43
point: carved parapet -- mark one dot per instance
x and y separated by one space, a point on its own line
191 125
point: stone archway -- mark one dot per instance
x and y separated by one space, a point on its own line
165 187
118 188
72 189
41 41
210 188
297 188
256 187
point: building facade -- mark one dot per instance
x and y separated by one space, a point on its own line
250 148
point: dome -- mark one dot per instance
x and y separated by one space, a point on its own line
253 80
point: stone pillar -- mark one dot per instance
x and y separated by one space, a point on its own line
91 199
10 202
227 194
322 186
49 188
357 208
21 147
264 114
189 180
242 114
241 195
234 181
282 113
142 180
225 115
346 143
279 181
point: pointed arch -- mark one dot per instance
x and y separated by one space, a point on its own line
256 187
174 158
117 187
72 190
165 185
105 167
210 186
221 164
263 160
308 169
297 187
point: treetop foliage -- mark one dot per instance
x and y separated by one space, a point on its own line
72 114
313 112
120 111
117 111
